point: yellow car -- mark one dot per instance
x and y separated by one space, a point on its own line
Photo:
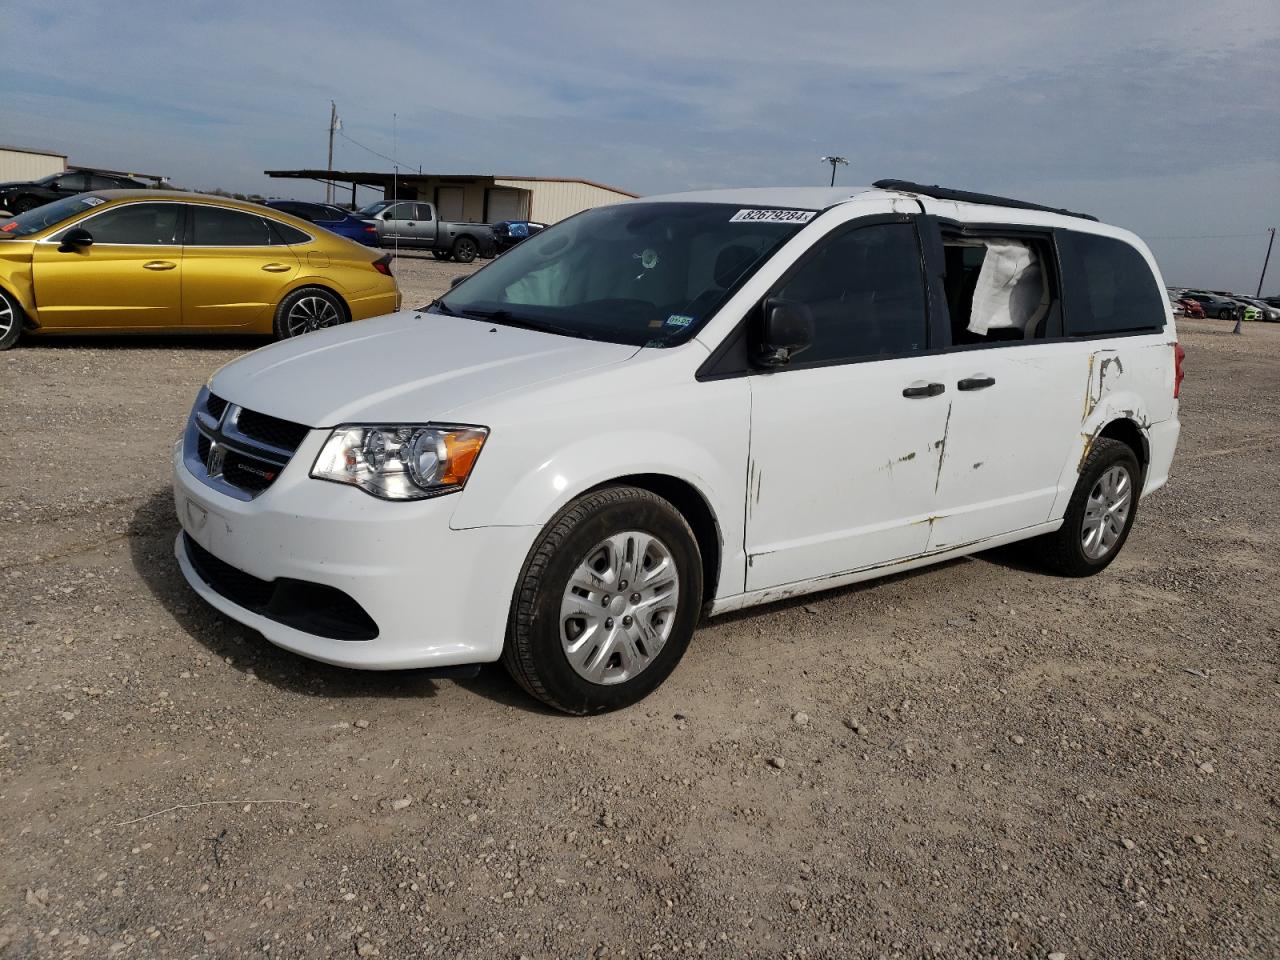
162 261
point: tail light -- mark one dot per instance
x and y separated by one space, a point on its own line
1178 355
383 265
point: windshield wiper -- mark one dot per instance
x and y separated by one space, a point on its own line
439 304
508 319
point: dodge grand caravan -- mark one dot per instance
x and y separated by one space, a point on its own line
681 406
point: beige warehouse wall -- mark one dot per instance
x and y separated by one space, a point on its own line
17 165
554 200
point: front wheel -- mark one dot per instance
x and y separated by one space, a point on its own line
606 603
23 204
465 250
1225 314
308 309
10 321
1099 515
441 254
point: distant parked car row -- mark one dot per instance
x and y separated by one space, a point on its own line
1220 306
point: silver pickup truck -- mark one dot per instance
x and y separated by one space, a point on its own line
413 223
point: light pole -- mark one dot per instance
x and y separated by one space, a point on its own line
835 161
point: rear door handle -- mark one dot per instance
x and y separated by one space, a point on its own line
277 267
976 383
159 265
922 389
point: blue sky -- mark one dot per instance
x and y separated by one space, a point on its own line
1162 117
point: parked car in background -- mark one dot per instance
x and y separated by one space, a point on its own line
1266 311
508 233
1192 308
1212 304
22 195
166 261
334 219
413 223
656 410
1271 301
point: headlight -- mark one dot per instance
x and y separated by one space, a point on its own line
401 462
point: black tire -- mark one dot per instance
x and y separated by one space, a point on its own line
286 327
1225 314
23 204
441 254
465 249
1063 551
534 653
11 320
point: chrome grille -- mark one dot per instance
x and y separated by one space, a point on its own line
238 451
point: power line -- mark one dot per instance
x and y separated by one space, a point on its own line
392 160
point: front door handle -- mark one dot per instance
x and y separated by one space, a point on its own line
159 265
922 389
276 267
976 383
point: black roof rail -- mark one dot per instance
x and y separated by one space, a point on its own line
966 196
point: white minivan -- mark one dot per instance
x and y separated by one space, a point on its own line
678 406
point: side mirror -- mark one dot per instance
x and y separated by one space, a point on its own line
75 238
455 281
787 330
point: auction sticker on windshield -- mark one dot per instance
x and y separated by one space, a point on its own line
773 216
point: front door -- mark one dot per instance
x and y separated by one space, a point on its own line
845 440
235 270
403 222
130 277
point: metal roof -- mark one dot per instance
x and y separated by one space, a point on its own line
378 178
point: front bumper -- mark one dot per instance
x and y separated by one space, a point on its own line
438 597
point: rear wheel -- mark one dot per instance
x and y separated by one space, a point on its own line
465 250
1099 515
308 309
11 317
1225 314
607 602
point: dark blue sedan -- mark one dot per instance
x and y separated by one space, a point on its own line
341 222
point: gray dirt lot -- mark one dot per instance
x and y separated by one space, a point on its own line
977 759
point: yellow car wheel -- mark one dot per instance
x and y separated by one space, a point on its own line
11 317
308 309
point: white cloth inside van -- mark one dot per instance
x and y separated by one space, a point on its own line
1010 291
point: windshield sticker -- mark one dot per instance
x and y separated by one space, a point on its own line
679 320
773 216
93 201
648 259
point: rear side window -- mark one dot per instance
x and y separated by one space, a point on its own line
423 211
220 227
1110 288
865 289
287 234
137 223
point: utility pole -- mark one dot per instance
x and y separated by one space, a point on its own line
1266 261
333 125
834 161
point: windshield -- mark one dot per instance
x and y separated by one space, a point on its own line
648 274
374 208
33 221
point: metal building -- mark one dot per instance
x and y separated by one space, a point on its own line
469 198
27 163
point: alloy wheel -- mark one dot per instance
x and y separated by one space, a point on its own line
619 607
1107 512
8 317
312 313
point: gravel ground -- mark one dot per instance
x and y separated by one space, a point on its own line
971 760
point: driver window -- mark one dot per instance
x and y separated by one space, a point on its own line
866 291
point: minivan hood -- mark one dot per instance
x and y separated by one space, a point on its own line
407 367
